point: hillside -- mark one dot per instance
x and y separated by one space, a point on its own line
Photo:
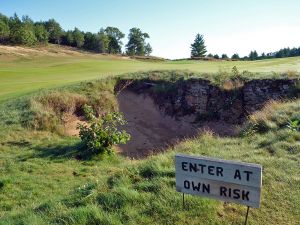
45 178
24 70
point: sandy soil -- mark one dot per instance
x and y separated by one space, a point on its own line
152 131
71 122
51 50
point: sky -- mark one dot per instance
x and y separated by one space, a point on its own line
228 26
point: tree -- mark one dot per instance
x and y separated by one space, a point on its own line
41 33
216 56
26 35
22 32
294 52
96 42
114 40
210 55
198 47
136 42
253 55
148 49
102 132
54 30
103 41
4 28
224 56
78 38
91 42
67 38
15 25
235 56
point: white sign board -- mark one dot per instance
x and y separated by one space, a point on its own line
226 180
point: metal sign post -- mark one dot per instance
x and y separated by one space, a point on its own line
247 215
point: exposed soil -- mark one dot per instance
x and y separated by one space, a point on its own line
152 131
150 128
49 50
71 122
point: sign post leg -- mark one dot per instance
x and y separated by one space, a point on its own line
183 202
247 215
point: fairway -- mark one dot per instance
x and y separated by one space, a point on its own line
22 73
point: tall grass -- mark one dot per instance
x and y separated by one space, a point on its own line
49 110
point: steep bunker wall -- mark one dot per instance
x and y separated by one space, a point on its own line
161 113
210 102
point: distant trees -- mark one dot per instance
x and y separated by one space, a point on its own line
198 47
137 43
235 56
216 56
41 33
224 56
253 55
15 25
24 31
114 40
282 53
148 49
67 38
4 28
91 42
287 52
96 42
103 41
78 38
55 31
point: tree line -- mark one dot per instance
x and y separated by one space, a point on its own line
24 31
198 50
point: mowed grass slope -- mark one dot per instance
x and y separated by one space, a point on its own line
25 70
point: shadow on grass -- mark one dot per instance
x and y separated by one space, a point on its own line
20 144
63 151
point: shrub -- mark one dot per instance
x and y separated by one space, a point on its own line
294 124
102 132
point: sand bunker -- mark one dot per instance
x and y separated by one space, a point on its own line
152 131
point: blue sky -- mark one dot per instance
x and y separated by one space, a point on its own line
228 26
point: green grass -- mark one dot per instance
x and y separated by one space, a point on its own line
41 182
20 75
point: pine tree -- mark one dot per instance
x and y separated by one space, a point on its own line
198 47
235 56
224 56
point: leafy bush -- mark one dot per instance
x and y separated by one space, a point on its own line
294 124
103 132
